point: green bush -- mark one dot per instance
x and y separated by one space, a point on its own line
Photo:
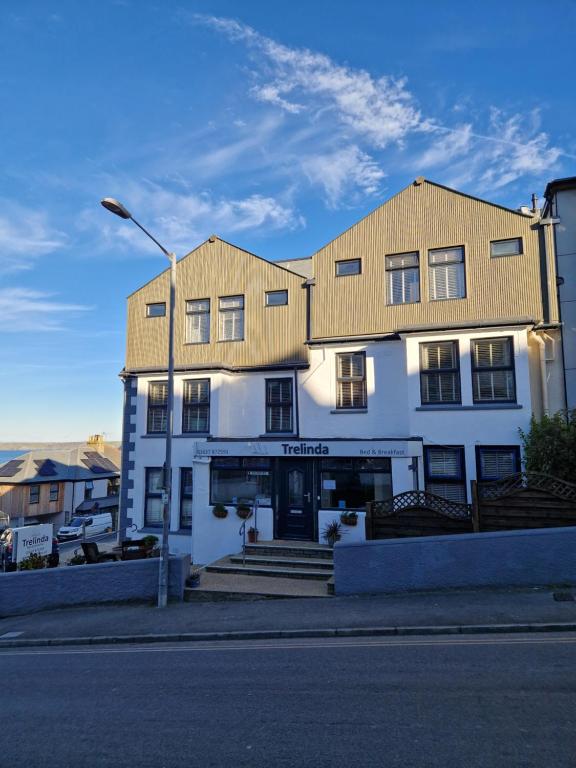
33 562
550 445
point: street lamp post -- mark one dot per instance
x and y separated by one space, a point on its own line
117 208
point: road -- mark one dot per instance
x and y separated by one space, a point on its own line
67 548
465 702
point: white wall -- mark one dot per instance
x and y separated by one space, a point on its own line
565 237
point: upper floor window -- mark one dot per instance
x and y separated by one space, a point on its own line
54 491
113 488
156 310
186 498
496 462
511 247
88 489
444 472
276 298
493 377
446 273
351 380
348 267
34 494
402 278
231 318
198 321
279 405
157 406
196 405
153 511
439 372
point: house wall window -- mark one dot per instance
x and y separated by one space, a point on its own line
88 490
54 491
157 406
444 472
156 310
351 483
276 298
493 379
511 247
186 498
198 321
348 267
402 278
153 496
446 274
351 380
231 318
113 488
493 462
440 372
235 479
196 405
34 494
279 405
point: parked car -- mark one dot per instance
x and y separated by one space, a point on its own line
91 524
7 551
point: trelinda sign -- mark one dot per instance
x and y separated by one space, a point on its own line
33 539
314 448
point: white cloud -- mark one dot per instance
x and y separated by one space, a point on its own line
336 171
25 235
453 143
23 309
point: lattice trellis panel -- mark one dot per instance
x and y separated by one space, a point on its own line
420 500
524 481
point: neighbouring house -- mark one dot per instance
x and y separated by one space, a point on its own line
50 486
406 353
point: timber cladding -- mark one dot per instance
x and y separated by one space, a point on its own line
422 217
216 269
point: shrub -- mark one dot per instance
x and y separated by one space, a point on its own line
150 540
33 562
550 445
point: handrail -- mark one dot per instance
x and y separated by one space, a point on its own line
242 532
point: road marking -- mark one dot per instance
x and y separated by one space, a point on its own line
339 643
10 635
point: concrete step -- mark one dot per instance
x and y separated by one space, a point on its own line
285 562
218 587
274 571
293 550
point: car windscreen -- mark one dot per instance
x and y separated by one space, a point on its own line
78 522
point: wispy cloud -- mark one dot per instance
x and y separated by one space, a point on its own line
337 170
23 309
25 235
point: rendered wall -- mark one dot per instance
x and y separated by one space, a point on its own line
507 559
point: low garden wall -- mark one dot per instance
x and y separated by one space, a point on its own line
131 580
528 558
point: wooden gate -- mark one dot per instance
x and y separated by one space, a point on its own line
523 500
416 513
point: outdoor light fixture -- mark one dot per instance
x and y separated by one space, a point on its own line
117 208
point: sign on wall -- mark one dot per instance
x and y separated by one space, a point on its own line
313 448
33 539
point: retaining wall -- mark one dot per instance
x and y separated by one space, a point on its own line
537 557
137 580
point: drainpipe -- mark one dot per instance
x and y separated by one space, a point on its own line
543 377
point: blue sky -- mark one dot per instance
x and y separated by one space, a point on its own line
274 125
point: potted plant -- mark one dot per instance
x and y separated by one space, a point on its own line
349 518
332 532
252 535
219 510
243 511
150 541
77 559
194 579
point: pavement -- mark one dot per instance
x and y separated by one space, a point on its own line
471 611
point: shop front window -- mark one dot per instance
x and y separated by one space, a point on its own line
235 479
351 483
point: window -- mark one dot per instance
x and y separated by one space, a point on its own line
350 483
113 488
156 310
512 247
446 274
493 378
497 461
403 278
54 491
186 498
196 406
232 318
34 494
276 298
279 405
444 472
153 508
351 380
157 406
198 321
439 372
348 267
88 488
235 479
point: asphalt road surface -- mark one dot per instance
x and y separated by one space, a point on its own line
464 702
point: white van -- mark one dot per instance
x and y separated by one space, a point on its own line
90 524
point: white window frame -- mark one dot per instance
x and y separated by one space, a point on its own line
446 268
231 315
198 321
396 269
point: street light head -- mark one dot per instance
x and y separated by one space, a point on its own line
116 207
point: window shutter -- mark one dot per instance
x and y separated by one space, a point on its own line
497 464
450 491
444 462
279 405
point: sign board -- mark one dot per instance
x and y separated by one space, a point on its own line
370 449
33 539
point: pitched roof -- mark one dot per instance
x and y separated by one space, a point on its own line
52 466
